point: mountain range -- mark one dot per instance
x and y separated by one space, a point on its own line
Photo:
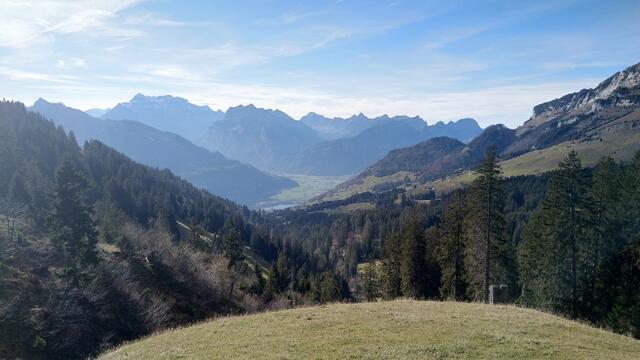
150 146
316 145
376 148
267 139
354 154
608 113
273 141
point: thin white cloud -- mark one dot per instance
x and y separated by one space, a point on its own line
18 75
157 20
68 63
572 65
23 24
294 17
168 71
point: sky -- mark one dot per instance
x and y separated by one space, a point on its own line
490 60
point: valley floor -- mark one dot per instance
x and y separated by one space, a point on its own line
309 186
387 330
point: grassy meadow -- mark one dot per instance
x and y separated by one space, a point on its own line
386 330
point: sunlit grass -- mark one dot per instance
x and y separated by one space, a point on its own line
396 329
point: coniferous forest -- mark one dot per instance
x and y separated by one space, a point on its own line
97 249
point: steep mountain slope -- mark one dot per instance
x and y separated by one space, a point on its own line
267 139
389 330
428 160
574 115
471 155
350 155
167 113
414 158
147 145
602 114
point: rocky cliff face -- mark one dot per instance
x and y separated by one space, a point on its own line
584 114
621 90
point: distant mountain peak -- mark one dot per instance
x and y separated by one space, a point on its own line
42 101
138 97
254 113
243 107
167 113
466 121
162 99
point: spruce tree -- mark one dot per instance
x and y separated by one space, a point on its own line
391 255
604 239
271 287
451 248
73 227
567 218
535 267
282 266
629 208
370 284
260 283
232 247
413 264
18 193
486 257
330 289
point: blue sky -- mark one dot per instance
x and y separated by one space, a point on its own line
491 60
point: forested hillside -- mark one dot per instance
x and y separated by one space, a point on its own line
566 241
97 249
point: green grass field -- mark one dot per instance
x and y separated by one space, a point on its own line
387 330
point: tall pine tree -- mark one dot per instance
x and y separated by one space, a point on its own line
391 255
451 248
560 233
73 227
232 247
604 239
486 257
413 264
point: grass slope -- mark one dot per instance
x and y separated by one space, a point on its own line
396 329
621 145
